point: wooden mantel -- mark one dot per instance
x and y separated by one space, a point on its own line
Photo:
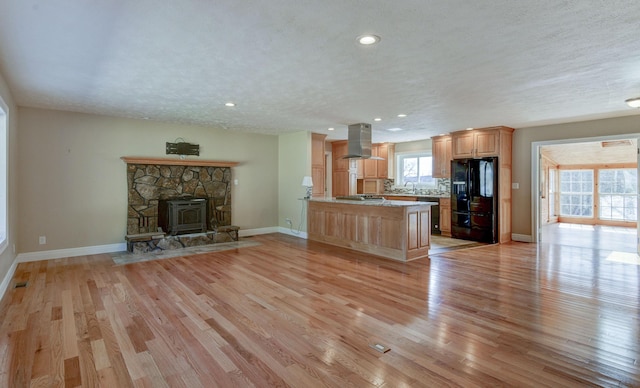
176 162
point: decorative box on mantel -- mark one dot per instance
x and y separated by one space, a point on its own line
150 180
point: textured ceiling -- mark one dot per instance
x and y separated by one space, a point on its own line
294 65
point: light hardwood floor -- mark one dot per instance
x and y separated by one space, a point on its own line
302 314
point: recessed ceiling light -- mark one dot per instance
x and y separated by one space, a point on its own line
470 128
377 119
394 129
230 104
368 39
330 129
633 102
402 115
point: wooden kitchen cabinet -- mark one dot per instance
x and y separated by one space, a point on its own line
442 155
344 171
318 169
370 186
383 165
445 216
373 168
371 165
479 143
338 150
487 142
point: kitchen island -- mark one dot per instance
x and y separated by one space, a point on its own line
398 230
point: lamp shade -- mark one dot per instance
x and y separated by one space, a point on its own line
307 182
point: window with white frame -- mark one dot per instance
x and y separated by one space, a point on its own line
576 193
618 194
416 168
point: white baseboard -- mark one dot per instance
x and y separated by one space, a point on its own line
292 232
98 249
70 252
253 232
521 237
4 286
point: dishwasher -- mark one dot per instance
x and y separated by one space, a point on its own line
435 213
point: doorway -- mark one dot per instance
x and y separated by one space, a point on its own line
593 214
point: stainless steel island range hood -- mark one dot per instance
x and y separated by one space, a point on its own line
359 142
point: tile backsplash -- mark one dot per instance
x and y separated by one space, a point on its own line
443 187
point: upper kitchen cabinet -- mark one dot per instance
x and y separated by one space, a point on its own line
385 167
480 143
318 170
441 160
378 169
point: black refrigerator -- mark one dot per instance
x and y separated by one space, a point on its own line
474 205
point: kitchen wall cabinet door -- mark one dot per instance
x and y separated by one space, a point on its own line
462 145
487 143
477 143
371 165
442 155
383 165
373 168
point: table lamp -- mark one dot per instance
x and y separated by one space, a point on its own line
308 183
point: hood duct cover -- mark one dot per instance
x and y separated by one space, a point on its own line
359 142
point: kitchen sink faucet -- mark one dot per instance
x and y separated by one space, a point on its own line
413 185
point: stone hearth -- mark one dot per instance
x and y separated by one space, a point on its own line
152 180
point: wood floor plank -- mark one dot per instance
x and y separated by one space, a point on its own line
290 312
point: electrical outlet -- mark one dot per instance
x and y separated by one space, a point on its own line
288 220
42 240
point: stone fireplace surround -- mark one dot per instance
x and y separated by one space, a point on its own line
150 180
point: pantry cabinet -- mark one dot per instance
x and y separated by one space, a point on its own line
318 169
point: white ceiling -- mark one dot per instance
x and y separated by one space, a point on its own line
294 65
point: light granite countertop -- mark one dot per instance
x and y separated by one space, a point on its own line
374 202
417 195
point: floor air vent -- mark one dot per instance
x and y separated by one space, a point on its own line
21 284
379 347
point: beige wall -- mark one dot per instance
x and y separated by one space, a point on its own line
73 187
413 146
8 256
294 162
522 143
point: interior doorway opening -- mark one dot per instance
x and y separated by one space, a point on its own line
580 192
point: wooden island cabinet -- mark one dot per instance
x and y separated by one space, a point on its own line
398 230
